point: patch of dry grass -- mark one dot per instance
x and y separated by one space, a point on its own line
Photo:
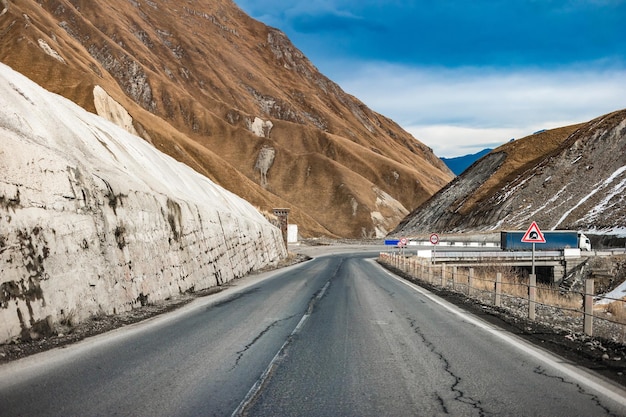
513 285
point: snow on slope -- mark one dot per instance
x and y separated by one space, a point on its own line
95 220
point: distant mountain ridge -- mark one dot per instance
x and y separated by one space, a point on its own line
572 178
458 164
233 99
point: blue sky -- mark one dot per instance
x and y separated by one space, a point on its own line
464 75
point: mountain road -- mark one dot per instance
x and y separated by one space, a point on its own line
336 335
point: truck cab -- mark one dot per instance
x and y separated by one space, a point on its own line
583 242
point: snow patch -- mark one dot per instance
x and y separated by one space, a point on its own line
355 206
48 50
379 221
614 198
260 127
598 187
617 294
264 161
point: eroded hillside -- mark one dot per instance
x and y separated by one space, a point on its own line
235 100
568 178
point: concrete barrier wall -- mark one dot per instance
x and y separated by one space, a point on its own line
96 221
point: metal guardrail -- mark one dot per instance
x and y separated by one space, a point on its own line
496 245
462 244
497 255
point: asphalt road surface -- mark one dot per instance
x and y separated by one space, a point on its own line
334 336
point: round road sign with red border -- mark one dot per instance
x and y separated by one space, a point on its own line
434 238
404 241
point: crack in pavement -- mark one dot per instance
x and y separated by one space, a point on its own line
459 395
255 392
319 294
242 352
543 372
310 306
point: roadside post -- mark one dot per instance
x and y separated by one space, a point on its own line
434 240
533 235
402 244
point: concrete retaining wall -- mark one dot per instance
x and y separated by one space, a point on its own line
94 220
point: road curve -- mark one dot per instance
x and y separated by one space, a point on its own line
337 335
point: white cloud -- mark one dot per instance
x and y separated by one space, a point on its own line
460 111
446 140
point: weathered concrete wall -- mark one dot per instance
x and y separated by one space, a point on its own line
94 220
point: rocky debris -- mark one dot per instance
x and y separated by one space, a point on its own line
607 272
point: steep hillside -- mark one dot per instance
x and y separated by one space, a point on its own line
232 98
94 220
568 178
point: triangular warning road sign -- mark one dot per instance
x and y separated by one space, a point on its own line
534 235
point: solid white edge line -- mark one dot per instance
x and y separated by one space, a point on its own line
300 324
259 383
265 375
583 376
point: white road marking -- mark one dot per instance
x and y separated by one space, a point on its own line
256 388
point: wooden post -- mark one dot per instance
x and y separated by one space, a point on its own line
532 295
470 281
454 272
588 305
498 296
443 275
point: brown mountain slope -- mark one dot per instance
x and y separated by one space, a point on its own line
568 178
235 100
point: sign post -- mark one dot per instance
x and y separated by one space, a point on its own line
434 240
533 235
402 244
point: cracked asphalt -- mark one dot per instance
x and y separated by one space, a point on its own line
337 335
373 347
